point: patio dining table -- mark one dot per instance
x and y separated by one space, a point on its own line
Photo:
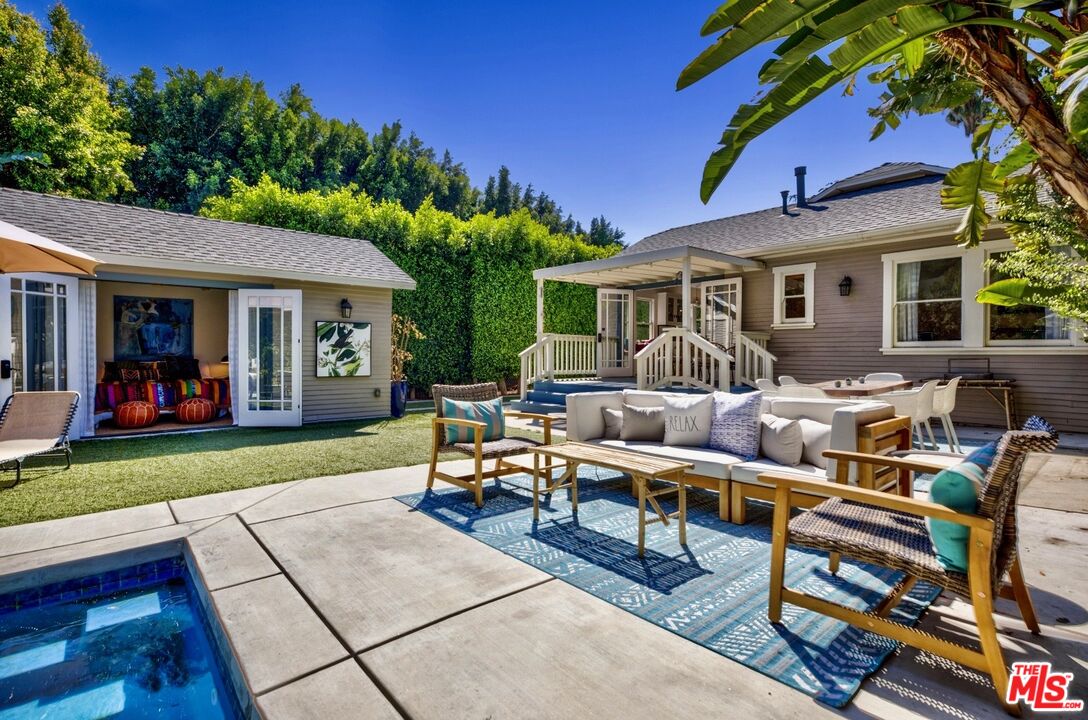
862 389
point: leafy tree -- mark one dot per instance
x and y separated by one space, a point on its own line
602 233
54 106
991 66
405 170
1046 267
1008 48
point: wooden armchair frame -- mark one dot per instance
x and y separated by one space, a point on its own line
474 481
981 547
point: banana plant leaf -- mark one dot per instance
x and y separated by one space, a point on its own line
1011 292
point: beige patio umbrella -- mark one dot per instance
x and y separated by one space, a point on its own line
22 251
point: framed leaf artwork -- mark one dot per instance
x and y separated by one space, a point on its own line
343 349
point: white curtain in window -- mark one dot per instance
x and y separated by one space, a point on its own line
1057 327
909 276
87 370
232 351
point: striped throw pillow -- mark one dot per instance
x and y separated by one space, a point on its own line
488 411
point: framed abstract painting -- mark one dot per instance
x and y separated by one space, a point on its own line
149 328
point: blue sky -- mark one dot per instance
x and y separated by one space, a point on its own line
576 97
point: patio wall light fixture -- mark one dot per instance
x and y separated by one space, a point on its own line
844 286
345 309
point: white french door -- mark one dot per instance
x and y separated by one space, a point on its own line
42 326
721 311
615 330
269 357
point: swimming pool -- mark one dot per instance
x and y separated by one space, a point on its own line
130 643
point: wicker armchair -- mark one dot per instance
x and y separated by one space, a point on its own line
495 449
889 530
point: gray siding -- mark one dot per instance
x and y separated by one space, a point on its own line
352 397
847 340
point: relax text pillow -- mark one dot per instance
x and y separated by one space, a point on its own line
687 419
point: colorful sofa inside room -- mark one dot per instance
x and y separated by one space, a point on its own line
164 383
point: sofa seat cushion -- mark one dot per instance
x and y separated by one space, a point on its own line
709 463
748 472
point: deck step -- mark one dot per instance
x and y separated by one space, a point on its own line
535 407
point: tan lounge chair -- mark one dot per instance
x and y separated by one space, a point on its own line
34 424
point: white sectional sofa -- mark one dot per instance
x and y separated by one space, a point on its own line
735 479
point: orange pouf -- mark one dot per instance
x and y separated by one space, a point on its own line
196 410
135 414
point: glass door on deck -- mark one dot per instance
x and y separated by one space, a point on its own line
270 354
615 327
721 312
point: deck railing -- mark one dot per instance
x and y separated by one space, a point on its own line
753 359
556 355
681 356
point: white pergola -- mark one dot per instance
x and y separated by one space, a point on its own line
653 268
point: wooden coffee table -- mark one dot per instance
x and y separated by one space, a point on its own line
643 469
865 389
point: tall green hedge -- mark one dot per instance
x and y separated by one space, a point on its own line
504 252
475 297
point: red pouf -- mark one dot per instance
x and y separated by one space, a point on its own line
196 410
135 414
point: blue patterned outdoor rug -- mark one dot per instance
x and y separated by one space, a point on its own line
714 594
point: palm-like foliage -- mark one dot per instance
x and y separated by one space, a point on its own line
992 66
822 43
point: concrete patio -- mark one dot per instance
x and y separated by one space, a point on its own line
340 602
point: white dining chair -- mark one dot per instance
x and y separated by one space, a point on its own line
918 404
767 386
944 402
883 376
801 391
787 380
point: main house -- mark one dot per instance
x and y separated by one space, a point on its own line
864 276
185 306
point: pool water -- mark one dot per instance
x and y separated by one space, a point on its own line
131 643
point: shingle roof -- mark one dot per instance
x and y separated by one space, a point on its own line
892 195
106 229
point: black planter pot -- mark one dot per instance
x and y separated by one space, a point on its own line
398 398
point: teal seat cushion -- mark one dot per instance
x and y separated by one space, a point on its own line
957 488
488 412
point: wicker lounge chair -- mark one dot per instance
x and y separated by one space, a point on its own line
497 450
34 424
890 531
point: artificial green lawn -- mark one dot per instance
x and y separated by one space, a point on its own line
122 472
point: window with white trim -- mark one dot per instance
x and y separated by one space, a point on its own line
929 302
1022 324
793 296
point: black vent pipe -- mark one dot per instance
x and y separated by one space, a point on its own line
799 172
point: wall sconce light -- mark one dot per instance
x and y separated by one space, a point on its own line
345 309
844 286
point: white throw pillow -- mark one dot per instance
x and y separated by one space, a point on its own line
817 437
781 440
687 419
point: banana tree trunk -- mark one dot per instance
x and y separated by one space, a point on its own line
1007 83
